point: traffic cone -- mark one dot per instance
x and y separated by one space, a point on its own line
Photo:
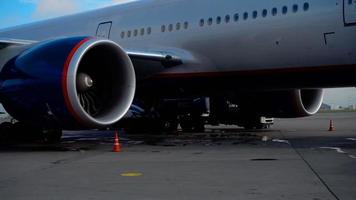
331 126
117 146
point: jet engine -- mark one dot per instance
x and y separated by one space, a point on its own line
70 83
288 104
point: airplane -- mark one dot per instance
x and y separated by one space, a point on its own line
272 58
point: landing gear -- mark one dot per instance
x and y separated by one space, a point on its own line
23 132
170 126
192 124
147 125
5 130
52 136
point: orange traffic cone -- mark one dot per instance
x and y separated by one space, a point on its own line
331 126
117 146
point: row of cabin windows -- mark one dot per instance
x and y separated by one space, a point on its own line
136 32
245 16
178 26
236 17
141 32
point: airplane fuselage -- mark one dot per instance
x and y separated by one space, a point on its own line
219 35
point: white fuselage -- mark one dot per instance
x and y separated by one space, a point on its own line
314 37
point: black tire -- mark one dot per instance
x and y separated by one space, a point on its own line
193 126
186 126
27 133
170 126
5 131
52 136
199 127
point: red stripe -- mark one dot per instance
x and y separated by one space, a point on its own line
64 79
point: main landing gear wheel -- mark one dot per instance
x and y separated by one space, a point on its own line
5 131
170 126
22 132
52 136
192 126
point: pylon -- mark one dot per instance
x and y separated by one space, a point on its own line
117 146
331 126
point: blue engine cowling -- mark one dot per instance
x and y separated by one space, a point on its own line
69 83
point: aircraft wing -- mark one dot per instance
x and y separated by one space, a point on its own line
6 42
165 58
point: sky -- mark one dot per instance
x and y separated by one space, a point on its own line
15 12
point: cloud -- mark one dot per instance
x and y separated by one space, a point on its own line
121 1
54 8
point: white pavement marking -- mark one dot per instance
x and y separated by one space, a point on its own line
281 141
352 139
339 150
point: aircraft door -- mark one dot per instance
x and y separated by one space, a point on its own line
103 30
349 12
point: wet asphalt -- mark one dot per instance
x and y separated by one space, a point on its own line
296 159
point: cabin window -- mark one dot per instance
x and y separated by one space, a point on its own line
122 34
178 26
218 20
202 22
128 33
284 10
186 25
227 18
295 8
264 13
245 16
254 14
210 21
149 30
163 28
170 28
236 17
306 6
274 11
142 32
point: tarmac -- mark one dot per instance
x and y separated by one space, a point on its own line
297 159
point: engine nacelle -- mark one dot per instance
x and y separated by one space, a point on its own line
307 102
291 104
71 83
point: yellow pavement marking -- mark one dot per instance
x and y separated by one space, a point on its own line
131 174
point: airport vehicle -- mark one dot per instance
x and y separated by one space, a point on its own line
271 57
192 114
